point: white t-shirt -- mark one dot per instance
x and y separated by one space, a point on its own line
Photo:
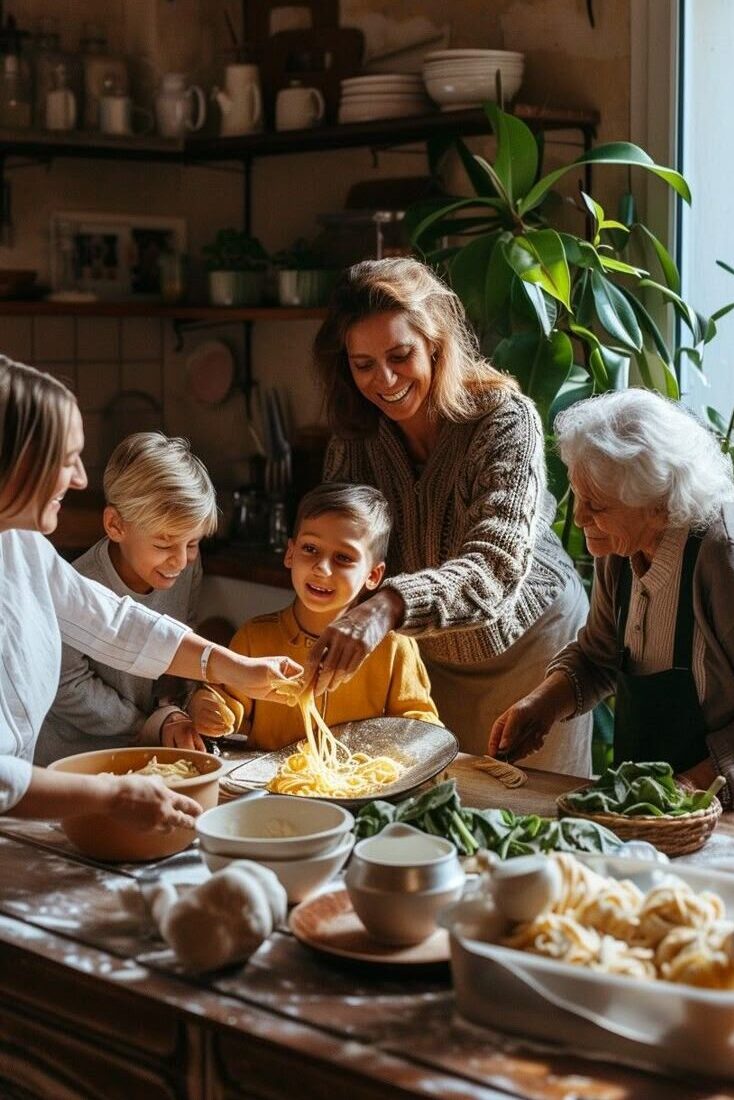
44 601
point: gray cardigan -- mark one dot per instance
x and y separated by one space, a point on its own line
100 707
472 550
590 660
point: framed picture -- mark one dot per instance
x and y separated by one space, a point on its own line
112 255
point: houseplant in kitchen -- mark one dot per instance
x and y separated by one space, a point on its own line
237 264
567 312
304 278
555 288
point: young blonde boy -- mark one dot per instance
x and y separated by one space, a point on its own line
160 503
337 553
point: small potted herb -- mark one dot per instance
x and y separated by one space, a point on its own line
237 264
304 277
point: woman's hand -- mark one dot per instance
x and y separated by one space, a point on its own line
210 714
177 732
145 802
523 728
254 677
340 650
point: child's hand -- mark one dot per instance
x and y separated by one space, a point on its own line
177 732
210 714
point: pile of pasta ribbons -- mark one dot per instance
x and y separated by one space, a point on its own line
670 933
323 766
169 773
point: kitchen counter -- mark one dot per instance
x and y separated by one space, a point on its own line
92 1008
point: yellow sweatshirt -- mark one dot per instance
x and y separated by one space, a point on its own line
392 681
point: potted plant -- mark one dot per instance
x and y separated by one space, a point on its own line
304 278
237 264
568 313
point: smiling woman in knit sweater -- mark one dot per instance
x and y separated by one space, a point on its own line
44 601
475 572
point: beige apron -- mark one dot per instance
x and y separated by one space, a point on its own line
471 697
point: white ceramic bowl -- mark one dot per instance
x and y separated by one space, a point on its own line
300 877
452 93
270 827
456 55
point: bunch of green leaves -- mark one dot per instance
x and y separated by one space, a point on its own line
642 789
567 313
439 811
235 250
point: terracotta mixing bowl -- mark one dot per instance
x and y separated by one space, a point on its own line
100 837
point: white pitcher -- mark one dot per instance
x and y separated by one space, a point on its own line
241 100
174 106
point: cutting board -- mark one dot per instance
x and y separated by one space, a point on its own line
318 58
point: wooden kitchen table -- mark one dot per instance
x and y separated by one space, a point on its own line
91 1007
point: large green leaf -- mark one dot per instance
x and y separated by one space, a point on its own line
615 152
498 282
610 263
579 253
577 386
539 257
443 212
667 264
597 365
540 364
516 161
697 324
482 180
469 273
647 324
542 305
615 313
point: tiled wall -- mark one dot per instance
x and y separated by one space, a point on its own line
98 358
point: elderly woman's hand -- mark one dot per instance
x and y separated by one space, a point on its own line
343 646
524 726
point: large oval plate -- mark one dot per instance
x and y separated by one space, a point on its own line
422 748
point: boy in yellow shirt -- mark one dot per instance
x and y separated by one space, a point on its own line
337 553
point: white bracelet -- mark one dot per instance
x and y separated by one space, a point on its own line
204 661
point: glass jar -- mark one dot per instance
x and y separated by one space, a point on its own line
48 59
16 111
102 70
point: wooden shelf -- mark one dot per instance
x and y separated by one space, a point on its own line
383 132
47 145
212 314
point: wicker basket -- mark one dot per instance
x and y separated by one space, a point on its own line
676 836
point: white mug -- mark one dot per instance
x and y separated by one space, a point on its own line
298 108
116 115
60 109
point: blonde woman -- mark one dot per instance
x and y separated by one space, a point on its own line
44 601
159 504
474 571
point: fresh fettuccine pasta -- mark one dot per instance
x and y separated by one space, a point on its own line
323 766
671 932
177 769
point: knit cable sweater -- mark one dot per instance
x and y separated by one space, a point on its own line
472 552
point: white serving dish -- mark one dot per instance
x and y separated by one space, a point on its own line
252 827
375 79
663 1025
300 877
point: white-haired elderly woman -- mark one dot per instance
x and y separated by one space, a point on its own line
653 493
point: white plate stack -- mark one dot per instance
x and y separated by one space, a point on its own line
382 95
457 79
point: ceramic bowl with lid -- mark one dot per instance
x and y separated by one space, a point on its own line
399 880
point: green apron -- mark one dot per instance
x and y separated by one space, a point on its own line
659 717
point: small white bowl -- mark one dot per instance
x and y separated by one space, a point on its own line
300 877
266 826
